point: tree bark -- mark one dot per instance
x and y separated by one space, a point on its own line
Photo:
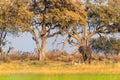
0 49
43 37
2 38
43 49
84 38
39 48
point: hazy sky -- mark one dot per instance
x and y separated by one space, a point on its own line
25 43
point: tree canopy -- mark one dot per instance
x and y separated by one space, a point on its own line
63 12
104 18
14 14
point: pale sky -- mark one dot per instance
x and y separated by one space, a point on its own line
25 43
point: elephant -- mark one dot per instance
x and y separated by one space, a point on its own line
86 52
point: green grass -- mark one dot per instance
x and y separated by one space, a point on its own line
60 77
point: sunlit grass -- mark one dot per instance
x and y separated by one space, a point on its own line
34 70
58 68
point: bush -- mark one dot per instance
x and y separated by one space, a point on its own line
34 63
14 56
6 59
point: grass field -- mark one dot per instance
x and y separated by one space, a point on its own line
18 70
60 77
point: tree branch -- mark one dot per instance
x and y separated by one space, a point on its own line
65 41
4 36
39 32
73 43
51 35
77 37
92 34
35 38
95 32
54 41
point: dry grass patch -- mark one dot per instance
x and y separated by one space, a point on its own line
58 67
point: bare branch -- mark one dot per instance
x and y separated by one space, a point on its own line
64 43
92 34
38 30
77 34
74 51
73 43
51 28
77 37
35 38
55 41
4 36
51 35
95 32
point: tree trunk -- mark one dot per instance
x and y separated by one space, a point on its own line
43 49
84 38
43 43
84 48
39 49
2 38
0 49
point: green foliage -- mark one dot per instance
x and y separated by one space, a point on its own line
104 17
38 64
53 16
34 63
14 15
63 12
5 59
106 45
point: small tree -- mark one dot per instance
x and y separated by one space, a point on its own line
13 16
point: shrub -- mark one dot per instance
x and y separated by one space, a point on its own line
6 59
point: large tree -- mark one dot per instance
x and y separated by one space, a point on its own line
53 16
103 18
13 15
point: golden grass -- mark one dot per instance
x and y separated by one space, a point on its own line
58 67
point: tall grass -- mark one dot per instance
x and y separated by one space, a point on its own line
58 67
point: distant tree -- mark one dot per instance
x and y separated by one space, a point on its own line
53 16
13 16
106 45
